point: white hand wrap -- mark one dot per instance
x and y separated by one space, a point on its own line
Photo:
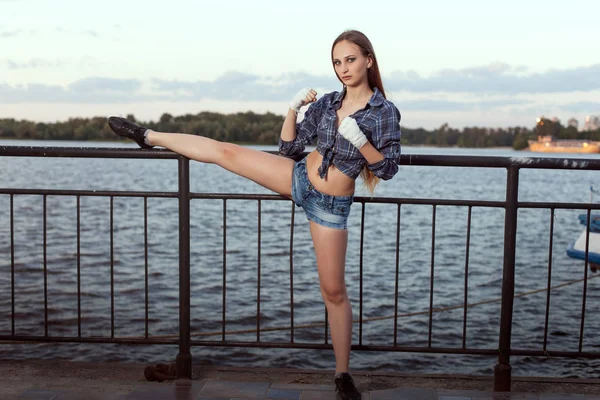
299 100
351 132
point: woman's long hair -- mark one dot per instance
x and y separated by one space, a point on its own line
374 80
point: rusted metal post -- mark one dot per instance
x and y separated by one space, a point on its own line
502 370
184 358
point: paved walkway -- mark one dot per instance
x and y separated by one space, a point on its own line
60 380
235 390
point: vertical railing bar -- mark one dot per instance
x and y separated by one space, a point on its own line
12 263
292 274
112 270
549 277
146 265
78 266
45 233
224 268
258 278
503 369
585 276
360 303
398 213
184 357
466 291
432 274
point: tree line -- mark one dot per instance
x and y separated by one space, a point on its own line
252 128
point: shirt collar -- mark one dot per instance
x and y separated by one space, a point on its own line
375 100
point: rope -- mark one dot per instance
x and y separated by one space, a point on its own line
438 309
320 324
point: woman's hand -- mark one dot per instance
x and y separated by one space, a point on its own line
351 132
302 98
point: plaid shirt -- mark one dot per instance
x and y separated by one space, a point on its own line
379 121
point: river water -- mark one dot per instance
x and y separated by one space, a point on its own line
485 266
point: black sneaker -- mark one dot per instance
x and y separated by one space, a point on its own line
128 129
344 386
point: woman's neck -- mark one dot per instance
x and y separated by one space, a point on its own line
358 94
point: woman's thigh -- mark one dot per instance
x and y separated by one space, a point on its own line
268 170
330 248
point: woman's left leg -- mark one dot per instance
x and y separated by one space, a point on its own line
330 247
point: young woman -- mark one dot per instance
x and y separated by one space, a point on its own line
357 132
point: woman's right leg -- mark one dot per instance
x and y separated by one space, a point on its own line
268 170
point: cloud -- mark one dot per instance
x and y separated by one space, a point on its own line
244 87
98 84
456 105
13 33
40 63
498 78
90 90
84 32
35 63
230 87
62 31
583 106
493 79
479 88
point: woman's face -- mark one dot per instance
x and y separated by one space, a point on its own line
350 64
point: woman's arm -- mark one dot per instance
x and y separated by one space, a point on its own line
383 152
370 153
303 97
386 139
288 131
296 136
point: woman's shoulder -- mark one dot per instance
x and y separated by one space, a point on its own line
389 107
330 96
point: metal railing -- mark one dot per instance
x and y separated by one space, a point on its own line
502 370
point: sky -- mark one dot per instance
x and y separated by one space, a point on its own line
462 62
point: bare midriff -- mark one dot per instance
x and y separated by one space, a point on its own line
335 182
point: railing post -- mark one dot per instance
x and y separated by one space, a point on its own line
184 358
502 370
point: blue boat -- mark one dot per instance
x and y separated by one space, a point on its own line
577 248
594 224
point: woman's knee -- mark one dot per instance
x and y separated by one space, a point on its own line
334 293
227 152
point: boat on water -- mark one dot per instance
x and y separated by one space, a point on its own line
549 144
578 247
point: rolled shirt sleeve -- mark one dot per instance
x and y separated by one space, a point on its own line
386 139
306 131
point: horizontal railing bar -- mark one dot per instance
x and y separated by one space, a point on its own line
142 341
236 196
500 162
296 345
551 353
407 349
87 193
357 199
85 152
405 159
564 206
242 196
69 339
430 202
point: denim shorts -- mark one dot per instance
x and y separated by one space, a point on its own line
323 209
